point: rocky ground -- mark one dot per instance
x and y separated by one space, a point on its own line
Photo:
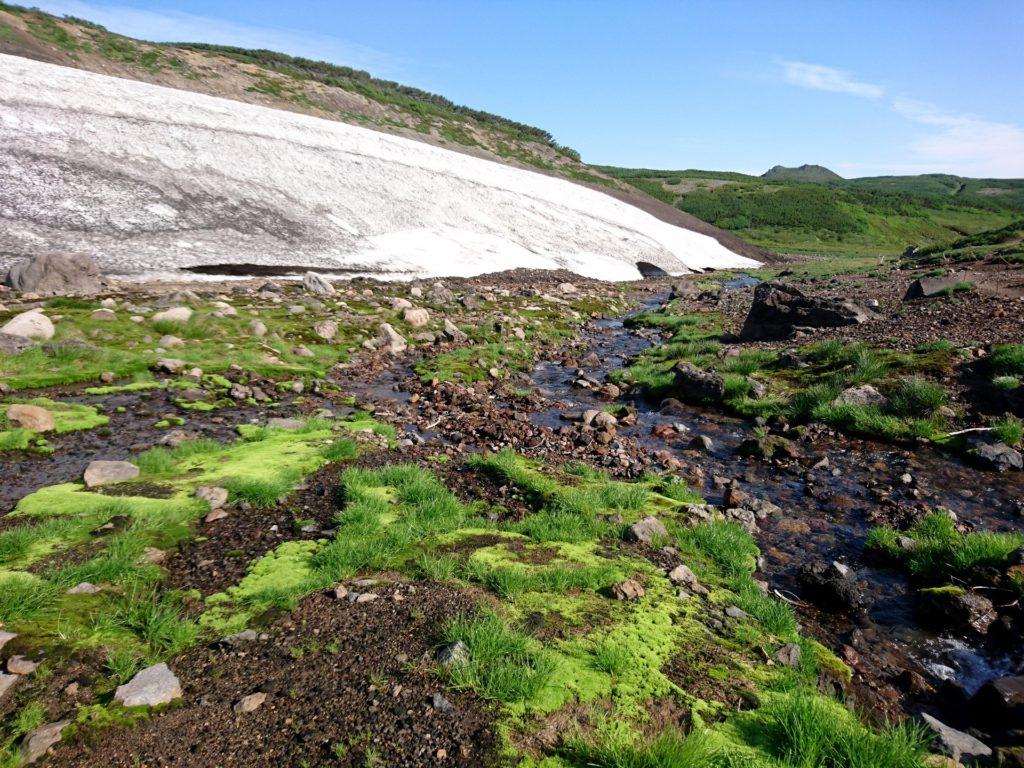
481 521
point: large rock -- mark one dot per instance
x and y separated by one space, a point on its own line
416 317
317 285
393 339
149 688
992 454
953 608
999 701
30 325
697 386
102 472
52 274
928 287
779 310
173 315
453 333
13 345
31 417
833 587
956 744
38 741
646 531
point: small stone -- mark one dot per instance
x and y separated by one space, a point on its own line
733 612
956 744
152 555
416 317
789 655
30 325
326 329
452 654
7 683
151 687
317 285
84 588
171 342
215 515
681 575
258 328
6 637
280 423
173 315
367 597
646 530
214 495
339 592
630 589
103 472
104 315
239 638
440 703
250 703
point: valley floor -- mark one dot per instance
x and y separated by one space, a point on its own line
494 531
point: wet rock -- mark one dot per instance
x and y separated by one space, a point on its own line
453 654
29 325
928 287
249 703
173 315
956 609
214 495
994 455
31 417
957 744
862 396
779 310
609 391
630 589
416 317
999 701
396 345
151 687
317 285
102 472
833 587
697 386
38 741
13 345
55 274
645 531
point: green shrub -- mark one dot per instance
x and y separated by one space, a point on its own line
1007 360
916 398
1009 430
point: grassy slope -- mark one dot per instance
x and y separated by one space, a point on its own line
869 216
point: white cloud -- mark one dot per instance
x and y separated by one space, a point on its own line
821 78
174 26
971 145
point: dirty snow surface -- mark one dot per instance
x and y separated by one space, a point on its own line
150 180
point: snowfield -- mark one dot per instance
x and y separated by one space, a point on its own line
149 180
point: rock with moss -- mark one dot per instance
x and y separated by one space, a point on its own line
954 608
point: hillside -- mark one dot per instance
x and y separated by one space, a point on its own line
865 216
813 174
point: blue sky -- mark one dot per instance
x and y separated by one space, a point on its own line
864 87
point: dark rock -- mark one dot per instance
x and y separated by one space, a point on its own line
12 345
56 274
645 531
927 287
955 608
697 386
994 455
779 309
999 701
833 587
956 744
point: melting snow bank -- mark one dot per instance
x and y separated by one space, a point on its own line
150 180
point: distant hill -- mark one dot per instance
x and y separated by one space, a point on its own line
867 216
812 174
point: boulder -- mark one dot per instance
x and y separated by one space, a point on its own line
29 325
38 741
645 531
928 287
453 333
316 284
103 472
957 744
862 396
954 608
396 345
13 345
697 386
779 310
999 701
992 454
416 317
149 688
56 274
173 315
31 417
